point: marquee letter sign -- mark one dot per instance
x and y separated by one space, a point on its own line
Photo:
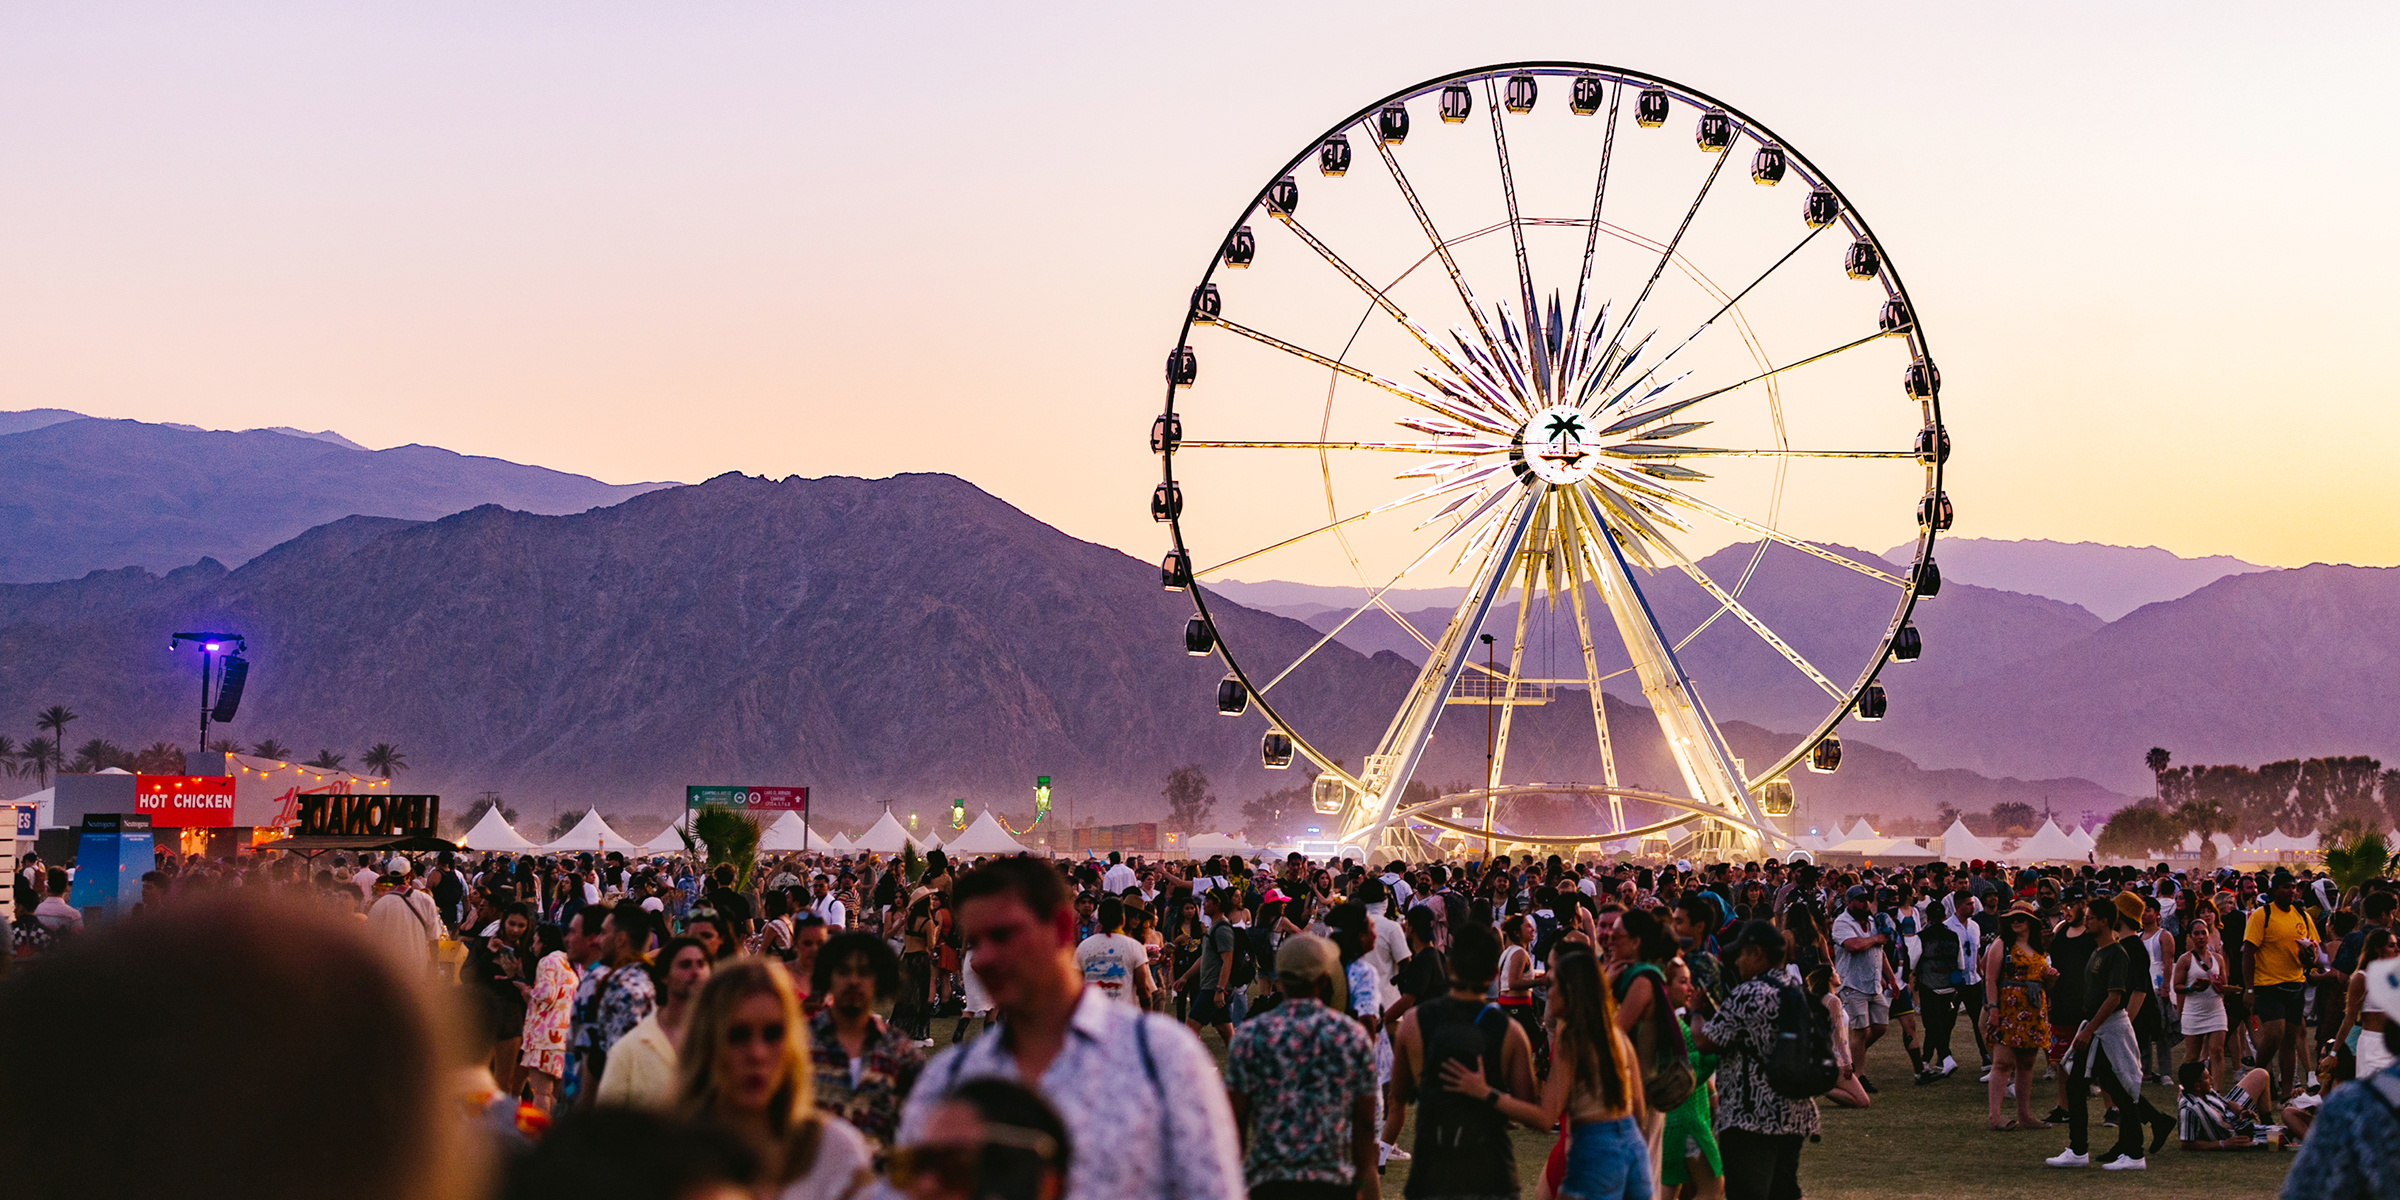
368 816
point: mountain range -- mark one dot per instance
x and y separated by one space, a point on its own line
85 494
910 638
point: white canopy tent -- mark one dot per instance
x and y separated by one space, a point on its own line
1959 843
886 837
983 835
495 833
2084 839
2049 844
839 844
789 833
1859 831
592 833
668 841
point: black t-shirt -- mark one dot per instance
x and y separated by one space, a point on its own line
1425 975
2069 955
2108 970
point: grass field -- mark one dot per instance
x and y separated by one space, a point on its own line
1931 1141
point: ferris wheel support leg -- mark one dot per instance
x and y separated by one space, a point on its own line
1699 749
1395 760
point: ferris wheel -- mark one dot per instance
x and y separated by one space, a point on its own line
1544 352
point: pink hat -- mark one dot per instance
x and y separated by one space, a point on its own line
1275 894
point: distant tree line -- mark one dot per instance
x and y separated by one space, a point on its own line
41 757
2338 796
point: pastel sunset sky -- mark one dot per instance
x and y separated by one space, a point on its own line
2152 243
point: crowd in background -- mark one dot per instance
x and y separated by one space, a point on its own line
1280 1028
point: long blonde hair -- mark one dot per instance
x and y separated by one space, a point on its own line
698 1087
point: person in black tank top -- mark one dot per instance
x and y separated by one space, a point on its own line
1462 1146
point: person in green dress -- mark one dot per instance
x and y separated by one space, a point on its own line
1690 1162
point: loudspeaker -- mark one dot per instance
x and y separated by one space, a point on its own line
229 688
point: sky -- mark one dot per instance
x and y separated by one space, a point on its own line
2150 243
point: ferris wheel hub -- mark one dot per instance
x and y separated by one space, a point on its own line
1559 446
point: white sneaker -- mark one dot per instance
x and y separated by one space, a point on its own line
1987 1076
2126 1164
2068 1158
1392 1153
2009 1092
1949 1064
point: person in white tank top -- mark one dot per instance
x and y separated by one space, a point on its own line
2367 1014
2199 973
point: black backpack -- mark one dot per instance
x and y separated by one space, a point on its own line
1244 966
1801 1066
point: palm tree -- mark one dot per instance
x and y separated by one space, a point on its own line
224 746
270 748
53 720
328 760
2158 760
38 756
2356 860
9 763
383 758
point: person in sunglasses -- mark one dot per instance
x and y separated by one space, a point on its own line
989 1139
745 1066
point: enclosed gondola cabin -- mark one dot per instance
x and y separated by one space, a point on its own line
1766 166
1586 99
1922 380
1826 756
1714 132
1457 103
1391 124
1175 571
1908 645
1934 510
1775 797
1522 92
1333 158
1241 248
1233 696
1166 502
1207 304
1862 260
1872 703
1650 108
1328 794
1183 367
1199 637
1893 316
1283 196
1166 433
1822 208
1929 579
1933 445
1275 750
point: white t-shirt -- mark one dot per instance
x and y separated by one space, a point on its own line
1108 961
831 909
1391 946
365 878
1116 879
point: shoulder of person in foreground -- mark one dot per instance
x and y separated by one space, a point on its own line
2348 1148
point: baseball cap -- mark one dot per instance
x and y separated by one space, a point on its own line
1858 891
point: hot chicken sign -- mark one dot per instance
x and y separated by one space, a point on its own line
173 801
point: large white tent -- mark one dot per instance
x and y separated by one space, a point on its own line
788 833
1959 843
495 833
886 837
983 836
668 841
840 843
592 833
2049 844
1859 831
2083 839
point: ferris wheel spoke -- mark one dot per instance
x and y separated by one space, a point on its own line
1591 237
1375 601
1668 255
1645 416
1365 377
1813 231
1472 448
1537 343
1662 450
1803 545
1572 549
1378 295
1727 603
1466 295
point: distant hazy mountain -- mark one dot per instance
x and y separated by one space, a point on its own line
79 495
2109 580
911 638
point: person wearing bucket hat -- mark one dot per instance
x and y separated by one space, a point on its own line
2349 1148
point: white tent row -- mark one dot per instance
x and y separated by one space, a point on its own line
1959 844
2049 844
495 833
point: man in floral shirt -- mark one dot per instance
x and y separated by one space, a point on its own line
1302 1079
864 1065
1759 1128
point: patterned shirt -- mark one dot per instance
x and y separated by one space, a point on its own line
887 1069
1304 1068
1137 1134
1744 1034
2348 1151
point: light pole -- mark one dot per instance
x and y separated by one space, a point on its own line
229 691
1490 765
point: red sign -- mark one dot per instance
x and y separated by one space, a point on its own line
172 801
756 799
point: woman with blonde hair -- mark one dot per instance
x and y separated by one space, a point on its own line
745 1065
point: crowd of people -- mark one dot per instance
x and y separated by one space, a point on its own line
808 1027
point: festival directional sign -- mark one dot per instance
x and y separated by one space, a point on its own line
752 799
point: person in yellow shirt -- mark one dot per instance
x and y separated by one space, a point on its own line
2283 950
642 1065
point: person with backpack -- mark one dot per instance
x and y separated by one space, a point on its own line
1775 1054
1223 968
1462 1147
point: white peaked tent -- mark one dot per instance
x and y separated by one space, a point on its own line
839 844
494 833
1859 831
668 841
885 837
983 835
2084 839
2049 844
786 833
1958 844
592 833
